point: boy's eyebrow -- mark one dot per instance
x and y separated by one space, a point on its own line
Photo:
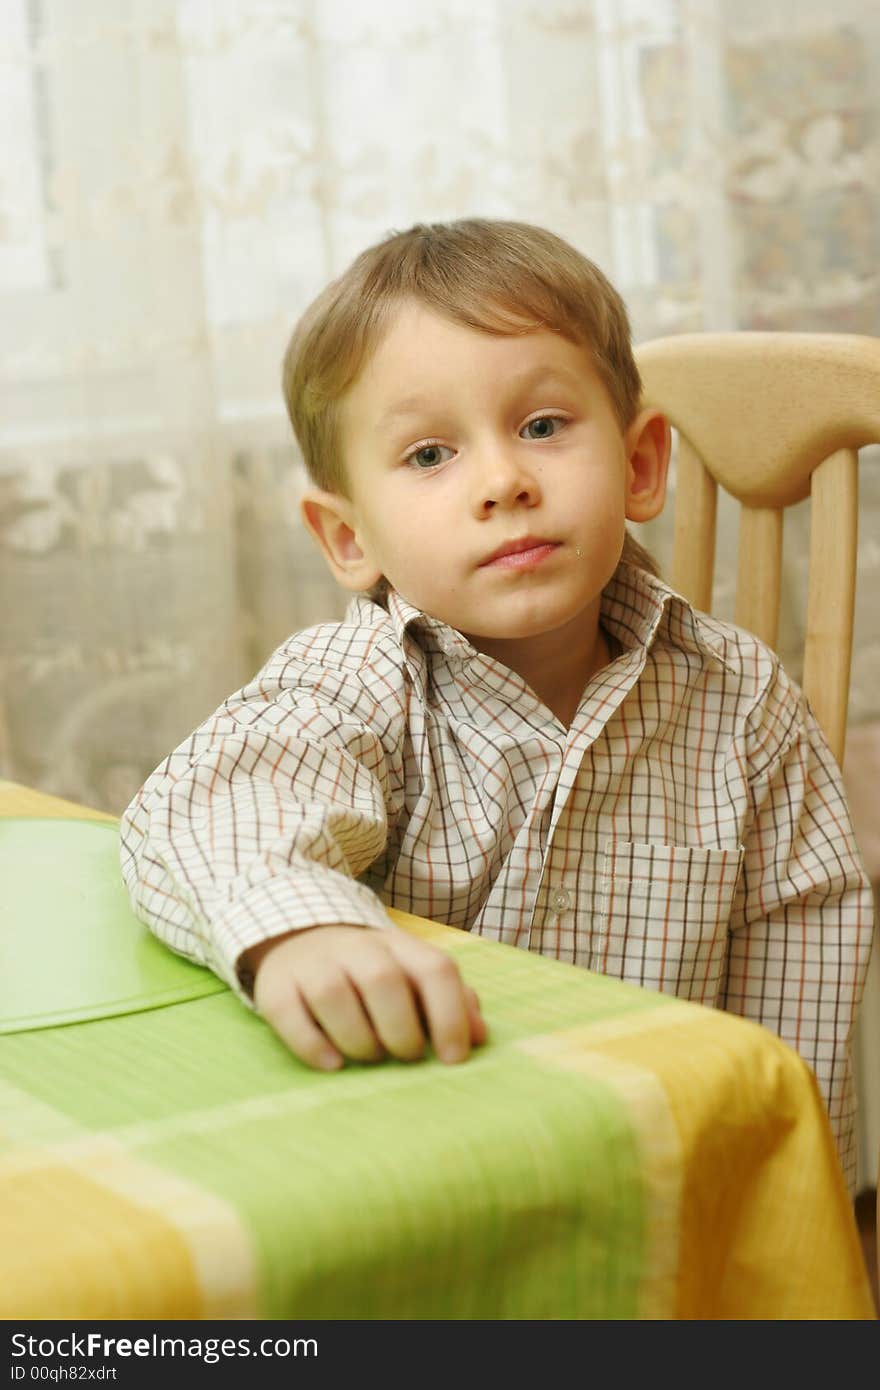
535 376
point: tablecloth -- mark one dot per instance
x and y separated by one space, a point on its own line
609 1153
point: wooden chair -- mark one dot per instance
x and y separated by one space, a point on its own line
772 418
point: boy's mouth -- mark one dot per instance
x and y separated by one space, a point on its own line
521 554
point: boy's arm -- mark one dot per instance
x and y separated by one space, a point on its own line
258 826
249 830
803 918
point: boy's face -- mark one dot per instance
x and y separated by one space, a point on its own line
490 479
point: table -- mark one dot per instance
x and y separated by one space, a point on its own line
610 1152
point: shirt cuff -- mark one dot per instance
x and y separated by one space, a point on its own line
312 896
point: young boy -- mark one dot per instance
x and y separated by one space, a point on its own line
517 729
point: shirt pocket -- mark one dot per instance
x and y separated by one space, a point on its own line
665 916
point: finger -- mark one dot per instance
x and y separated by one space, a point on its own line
389 998
338 1009
478 1026
441 994
290 1018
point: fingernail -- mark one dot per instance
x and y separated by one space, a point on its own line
453 1052
329 1060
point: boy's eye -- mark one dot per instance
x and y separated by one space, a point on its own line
427 456
542 421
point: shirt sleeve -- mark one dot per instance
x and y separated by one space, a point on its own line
803 917
262 820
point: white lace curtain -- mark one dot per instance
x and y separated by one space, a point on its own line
186 174
178 178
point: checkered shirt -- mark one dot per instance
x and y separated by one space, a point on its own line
688 833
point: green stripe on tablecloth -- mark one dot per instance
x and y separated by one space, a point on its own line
371 1191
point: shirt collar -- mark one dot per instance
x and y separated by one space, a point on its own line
638 609
432 634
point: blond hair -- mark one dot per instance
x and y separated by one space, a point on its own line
496 276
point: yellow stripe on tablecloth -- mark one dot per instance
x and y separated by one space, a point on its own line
167 1248
787 1191
16 800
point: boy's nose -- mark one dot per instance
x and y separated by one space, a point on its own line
505 482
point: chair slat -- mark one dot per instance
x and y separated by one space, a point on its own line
693 554
831 594
767 411
759 572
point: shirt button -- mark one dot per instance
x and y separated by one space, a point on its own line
560 900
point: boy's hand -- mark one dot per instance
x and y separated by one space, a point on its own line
337 992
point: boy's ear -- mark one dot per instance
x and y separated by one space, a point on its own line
648 442
331 519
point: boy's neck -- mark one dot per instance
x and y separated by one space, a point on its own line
556 665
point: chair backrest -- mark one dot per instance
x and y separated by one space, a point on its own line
772 418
